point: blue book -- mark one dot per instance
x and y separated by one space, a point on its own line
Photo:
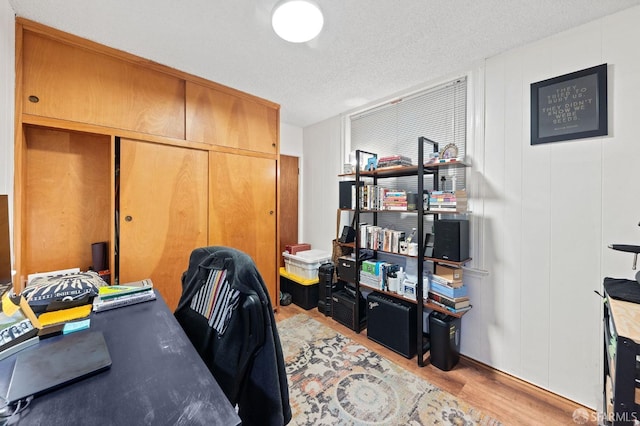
448 291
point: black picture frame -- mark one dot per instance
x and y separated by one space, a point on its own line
570 106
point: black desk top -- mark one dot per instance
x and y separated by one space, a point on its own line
157 377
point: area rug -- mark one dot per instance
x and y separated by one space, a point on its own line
336 381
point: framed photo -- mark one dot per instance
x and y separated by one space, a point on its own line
571 106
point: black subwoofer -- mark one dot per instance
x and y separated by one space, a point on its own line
392 323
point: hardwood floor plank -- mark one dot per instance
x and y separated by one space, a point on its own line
507 398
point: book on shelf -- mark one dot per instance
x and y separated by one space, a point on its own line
448 291
127 296
449 308
455 303
446 282
15 326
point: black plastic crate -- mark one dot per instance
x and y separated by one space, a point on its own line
303 293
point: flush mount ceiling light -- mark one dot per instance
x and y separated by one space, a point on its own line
297 21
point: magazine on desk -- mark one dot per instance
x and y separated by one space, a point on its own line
116 296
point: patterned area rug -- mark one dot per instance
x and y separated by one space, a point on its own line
336 381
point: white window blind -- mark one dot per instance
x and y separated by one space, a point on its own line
438 113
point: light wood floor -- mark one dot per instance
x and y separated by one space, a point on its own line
510 400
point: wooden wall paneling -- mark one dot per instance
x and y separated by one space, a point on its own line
243 210
163 213
85 86
289 174
66 198
235 121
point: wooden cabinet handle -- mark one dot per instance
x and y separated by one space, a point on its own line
128 218
271 212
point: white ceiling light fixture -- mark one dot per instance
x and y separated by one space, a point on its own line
297 21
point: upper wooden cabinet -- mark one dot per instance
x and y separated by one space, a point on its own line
216 117
82 85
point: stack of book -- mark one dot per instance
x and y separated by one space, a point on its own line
448 200
116 296
448 291
394 161
394 200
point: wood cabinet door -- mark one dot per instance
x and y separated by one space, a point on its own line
242 206
86 86
221 118
162 214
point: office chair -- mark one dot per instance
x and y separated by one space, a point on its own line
226 312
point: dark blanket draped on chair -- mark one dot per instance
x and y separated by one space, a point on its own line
226 312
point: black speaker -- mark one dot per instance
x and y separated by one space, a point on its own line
392 323
343 308
451 239
346 194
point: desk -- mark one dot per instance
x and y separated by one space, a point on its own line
157 377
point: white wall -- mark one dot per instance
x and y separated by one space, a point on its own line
542 214
7 94
322 162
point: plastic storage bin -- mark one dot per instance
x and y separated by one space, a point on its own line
305 264
304 293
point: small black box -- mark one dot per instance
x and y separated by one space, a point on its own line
303 295
451 239
343 307
347 269
392 323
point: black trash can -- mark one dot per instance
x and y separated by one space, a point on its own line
444 332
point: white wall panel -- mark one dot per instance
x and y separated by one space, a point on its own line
493 180
575 237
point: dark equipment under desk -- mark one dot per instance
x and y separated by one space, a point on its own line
156 377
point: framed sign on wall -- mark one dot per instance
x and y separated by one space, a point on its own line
570 106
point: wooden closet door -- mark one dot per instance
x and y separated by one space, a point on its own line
163 213
243 210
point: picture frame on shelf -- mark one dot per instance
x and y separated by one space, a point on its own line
570 106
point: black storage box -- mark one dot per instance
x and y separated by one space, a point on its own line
392 323
347 269
444 334
343 307
304 293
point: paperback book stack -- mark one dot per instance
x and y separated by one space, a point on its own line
116 296
394 200
447 290
448 201
394 161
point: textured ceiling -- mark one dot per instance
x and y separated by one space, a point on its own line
368 50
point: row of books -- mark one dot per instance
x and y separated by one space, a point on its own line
377 238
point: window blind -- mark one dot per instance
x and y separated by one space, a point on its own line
438 113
